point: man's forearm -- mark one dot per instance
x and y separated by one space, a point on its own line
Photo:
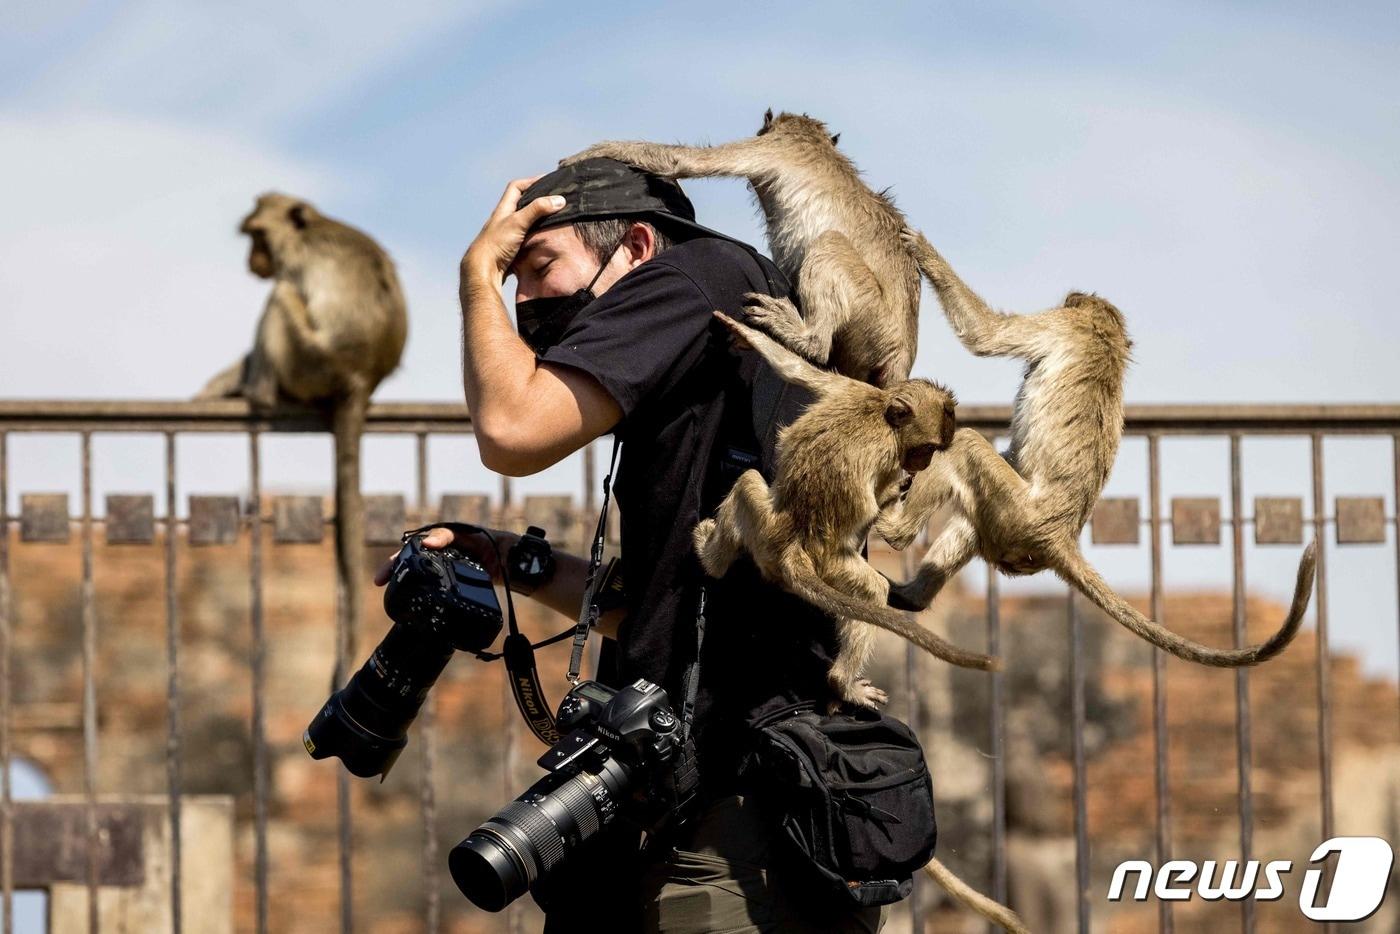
493 355
563 592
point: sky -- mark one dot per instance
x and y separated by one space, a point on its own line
1225 173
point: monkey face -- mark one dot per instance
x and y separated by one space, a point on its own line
274 214
922 416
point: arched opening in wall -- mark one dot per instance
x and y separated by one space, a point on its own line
31 908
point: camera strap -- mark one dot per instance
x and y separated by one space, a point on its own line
588 613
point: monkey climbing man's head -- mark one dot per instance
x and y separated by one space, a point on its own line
922 416
273 225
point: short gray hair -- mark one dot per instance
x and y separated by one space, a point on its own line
602 237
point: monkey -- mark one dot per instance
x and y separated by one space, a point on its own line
333 328
830 234
844 459
1022 512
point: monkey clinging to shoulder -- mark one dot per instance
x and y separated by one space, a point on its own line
333 327
836 239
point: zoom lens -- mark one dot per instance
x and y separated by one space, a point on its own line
365 724
501 859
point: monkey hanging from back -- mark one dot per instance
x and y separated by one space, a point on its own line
831 235
332 329
1023 511
845 458
840 463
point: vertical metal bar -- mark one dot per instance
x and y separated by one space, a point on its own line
1394 443
1165 923
421 453
1243 753
89 610
1081 816
590 477
912 696
257 653
998 735
172 684
506 499
1324 694
7 875
432 910
344 831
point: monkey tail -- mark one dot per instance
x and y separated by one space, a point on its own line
348 422
803 580
1077 572
994 912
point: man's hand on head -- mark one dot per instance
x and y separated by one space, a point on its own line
494 248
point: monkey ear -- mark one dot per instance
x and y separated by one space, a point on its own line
835 138
298 216
899 412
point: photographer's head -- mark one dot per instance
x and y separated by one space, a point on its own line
615 218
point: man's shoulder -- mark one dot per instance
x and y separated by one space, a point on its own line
717 266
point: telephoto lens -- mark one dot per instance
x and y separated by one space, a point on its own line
527 838
366 722
440 601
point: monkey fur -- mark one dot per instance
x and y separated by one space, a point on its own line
846 457
831 235
1022 512
333 327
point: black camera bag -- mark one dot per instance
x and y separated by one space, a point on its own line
854 798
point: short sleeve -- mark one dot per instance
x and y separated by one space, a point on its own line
641 336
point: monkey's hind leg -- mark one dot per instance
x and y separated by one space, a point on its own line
930 488
836 287
986 486
745 521
950 551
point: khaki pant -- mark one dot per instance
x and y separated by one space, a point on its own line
720 878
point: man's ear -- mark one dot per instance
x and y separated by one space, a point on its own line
639 244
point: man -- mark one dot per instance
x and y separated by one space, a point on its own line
615 288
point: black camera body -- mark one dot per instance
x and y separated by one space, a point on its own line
623 756
634 725
441 601
445 594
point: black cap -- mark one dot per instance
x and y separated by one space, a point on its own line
595 189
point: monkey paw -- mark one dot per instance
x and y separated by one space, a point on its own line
780 320
906 597
865 694
704 530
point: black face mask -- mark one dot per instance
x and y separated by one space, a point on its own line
542 321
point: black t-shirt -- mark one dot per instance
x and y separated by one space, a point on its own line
652 342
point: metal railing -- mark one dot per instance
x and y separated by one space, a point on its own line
172 419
